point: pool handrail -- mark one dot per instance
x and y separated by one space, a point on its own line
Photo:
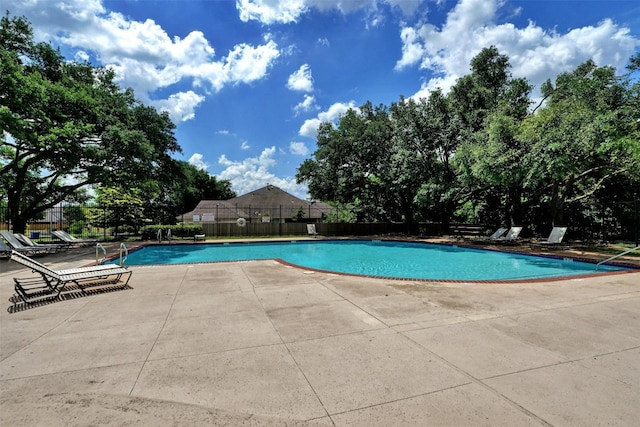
617 256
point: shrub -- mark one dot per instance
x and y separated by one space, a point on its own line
150 232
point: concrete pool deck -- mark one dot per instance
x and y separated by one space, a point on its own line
261 343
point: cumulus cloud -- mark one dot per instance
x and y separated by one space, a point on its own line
298 148
287 11
255 172
180 106
143 55
310 127
271 11
308 104
301 80
197 160
534 53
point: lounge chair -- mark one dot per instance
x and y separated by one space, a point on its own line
311 230
497 235
53 282
73 241
5 251
512 235
17 245
54 247
555 237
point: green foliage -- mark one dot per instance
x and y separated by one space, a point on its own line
480 153
68 125
343 213
150 232
181 186
77 227
299 215
117 207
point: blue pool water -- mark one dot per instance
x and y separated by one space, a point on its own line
376 258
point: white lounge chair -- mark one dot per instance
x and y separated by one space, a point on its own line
53 282
5 250
54 247
512 234
498 234
74 241
17 245
311 230
555 237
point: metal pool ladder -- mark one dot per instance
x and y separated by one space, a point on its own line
617 256
125 251
99 247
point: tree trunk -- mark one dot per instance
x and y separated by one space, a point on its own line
560 193
18 224
515 206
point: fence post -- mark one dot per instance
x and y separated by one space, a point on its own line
635 211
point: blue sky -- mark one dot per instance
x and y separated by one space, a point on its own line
247 82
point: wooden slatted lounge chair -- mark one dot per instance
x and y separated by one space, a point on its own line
17 245
53 282
54 247
73 241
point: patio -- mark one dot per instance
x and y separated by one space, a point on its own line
260 343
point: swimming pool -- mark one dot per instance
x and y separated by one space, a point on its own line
403 260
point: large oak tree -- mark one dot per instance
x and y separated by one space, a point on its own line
67 125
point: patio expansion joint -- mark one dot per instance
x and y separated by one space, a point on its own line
298 367
164 324
375 405
481 383
561 363
62 322
69 371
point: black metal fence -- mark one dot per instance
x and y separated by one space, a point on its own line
619 221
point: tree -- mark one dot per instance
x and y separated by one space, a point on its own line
181 187
68 125
585 137
118 207
491 106
351 162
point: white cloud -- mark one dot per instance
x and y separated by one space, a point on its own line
308 104
197 160
310 127
301 80
254 172
533 52
244 145
287 11
81 56
142 54
298 148
180 106
271 11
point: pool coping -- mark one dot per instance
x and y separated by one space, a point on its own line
631 268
